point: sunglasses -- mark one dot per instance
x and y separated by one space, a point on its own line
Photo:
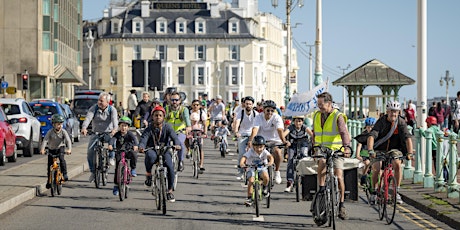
174 99
196 104
269 110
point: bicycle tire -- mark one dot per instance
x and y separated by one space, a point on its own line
104 168
156 191
380 200
269 196
297 184
58 182
121 181
176 169
334 201
53 187
256 197
195 162
271 178
367 190
163 193
97 171
390 200
222 149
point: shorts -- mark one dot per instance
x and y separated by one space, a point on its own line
338 163
250 172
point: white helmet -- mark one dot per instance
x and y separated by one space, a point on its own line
393 105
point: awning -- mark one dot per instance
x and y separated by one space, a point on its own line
65 75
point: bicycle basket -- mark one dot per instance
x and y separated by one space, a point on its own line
319 209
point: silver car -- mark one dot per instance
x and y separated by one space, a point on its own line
72 123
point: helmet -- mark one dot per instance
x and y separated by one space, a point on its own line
269 103
431 120
393 105
57 118
194 117
224 122
298 117
370 121
287 122
258 140
125 119
249 98
159 108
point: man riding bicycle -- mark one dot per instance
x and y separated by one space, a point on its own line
105 120
156 134
389 133
217 111
330 130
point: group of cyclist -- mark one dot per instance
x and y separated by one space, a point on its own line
172 122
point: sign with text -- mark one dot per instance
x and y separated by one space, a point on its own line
180 5
304 103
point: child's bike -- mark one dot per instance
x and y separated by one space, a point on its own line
123 175
195 147
257 191
55 177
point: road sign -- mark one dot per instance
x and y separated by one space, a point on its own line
4 84
11 90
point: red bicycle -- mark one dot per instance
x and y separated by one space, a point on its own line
123 175
387 190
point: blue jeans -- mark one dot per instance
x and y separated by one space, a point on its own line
181 152
242 143
290 164
151 158
90 152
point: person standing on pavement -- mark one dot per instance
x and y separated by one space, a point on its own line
132 104
330 130
143 108
105 120
447 113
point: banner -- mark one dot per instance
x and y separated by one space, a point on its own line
305 103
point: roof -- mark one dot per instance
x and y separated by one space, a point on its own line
374 72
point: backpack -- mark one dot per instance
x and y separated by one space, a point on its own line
97 107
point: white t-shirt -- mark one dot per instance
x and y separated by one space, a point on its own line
237 110
268 129
216 113
247 123
456 114
253 157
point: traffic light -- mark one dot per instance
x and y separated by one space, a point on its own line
25 81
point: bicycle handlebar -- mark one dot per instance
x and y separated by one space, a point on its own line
320 151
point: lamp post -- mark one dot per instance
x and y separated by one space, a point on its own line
289 8
218 76
310 80
343 90
447 79
90 43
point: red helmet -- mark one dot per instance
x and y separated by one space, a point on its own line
159 108
431 120
287 122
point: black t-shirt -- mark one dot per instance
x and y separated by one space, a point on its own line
298 136
126 142
397 140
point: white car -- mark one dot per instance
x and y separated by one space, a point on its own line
24 123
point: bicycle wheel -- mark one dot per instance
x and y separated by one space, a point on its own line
268 197
104 168
156 191
380 200
222 149
195 162
53 187
367 189
163 193
297 184
58 182
121 181
256 197
271 181
333 202
390 200
97 170
176 168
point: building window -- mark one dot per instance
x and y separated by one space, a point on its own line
137 52
234 52
162 52
162 27
200 75
261 54
233 26
234 75
181 52
200 52
46 41
181 27
115 27
200 26
181 75
46 7
264 34
137 26
113 53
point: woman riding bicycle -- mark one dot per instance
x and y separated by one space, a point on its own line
156 134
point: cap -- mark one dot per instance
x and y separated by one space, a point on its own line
219 97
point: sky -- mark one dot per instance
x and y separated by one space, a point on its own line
357 31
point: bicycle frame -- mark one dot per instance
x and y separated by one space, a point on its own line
123 175
383 188
196 151
100 160
55 176
160 178
257 195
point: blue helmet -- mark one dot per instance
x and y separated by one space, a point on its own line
370 121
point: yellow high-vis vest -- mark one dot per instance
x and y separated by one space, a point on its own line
328 135
176 118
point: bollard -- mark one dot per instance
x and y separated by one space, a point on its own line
418 174
428 180
354 132
452 186
439 181
408 172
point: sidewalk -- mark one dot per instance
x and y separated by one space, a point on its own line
23 182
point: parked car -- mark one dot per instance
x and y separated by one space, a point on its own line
72 123
25 124
7 140
82 101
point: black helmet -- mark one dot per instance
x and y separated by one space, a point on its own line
249 98
269 103
57 118
258 140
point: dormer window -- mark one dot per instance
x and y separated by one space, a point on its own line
115 25
181 26
200 26
233 26
138 25
162 26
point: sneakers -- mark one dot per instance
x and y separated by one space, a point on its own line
239 176
289 186
148 181
277 177
188 155
363 180
133 173
115 190
398 199
112 161
343 213
372 199
248 202
181 166
48 185
66 178
265 192
201 170
170 197
91 178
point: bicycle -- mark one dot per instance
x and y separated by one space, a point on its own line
386 190
101 167
297 156
271 169
123 174
195 146
368 188
257 193
55 177
325 205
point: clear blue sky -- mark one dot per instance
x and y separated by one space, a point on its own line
356 31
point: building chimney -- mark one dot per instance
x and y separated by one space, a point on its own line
106 13
215 13
145 9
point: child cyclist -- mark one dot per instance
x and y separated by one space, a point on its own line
257 155
196 126
124 140
361 150
58 141
222 132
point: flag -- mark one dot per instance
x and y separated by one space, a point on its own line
305 103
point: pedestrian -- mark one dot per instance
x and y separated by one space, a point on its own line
132 104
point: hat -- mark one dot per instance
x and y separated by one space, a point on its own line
219 97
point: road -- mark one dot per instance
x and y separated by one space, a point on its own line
214 201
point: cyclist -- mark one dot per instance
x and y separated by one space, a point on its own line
217 111
361 150
58 141
178 117
330 130
270 126
244 121
143 108
298 135
196 125
105 120
159 133
236 111
389 133
257 155
222 132
127 141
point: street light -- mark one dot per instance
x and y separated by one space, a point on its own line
309 66
447 79
90 43
343 90
218 76
289 8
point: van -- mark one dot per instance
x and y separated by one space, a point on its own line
82 101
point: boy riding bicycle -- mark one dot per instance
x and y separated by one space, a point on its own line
222 132
58 141
257 155
124 140
361 150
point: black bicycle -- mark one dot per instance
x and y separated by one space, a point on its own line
195 147
100 162
297 156
271 169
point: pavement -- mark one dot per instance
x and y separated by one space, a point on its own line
26 181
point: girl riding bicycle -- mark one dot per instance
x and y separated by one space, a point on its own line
196 125
124 140
58 141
